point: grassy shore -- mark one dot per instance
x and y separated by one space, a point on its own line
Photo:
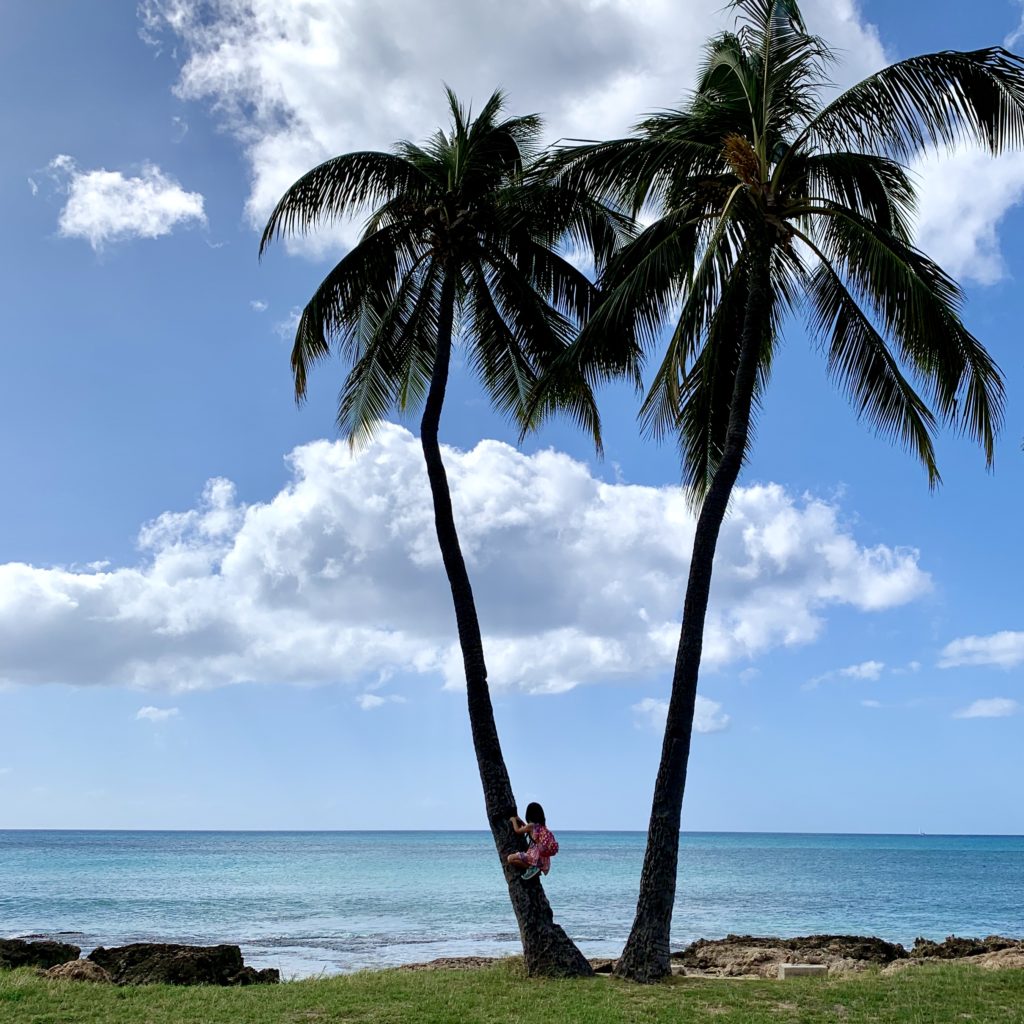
499 994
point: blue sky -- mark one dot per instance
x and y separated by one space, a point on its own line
212 616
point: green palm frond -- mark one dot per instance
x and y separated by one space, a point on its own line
918 305
865 368
497 357
875 187
338 188
699 398
715 275
637 171
337 304
644 283
397 337
938 99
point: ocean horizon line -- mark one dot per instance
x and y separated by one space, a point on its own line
483 831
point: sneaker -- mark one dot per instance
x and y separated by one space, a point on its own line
530 872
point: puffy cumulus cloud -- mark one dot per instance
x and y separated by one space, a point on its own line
106 206
993 707
963 198
338 577
707 715
1001 650
297 81
152 714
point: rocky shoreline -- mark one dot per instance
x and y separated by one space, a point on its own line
141 963
749 956
735 956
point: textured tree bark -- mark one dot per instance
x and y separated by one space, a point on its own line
546 947
646 955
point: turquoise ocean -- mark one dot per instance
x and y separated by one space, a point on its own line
329 902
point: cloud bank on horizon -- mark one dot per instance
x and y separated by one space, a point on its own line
338 578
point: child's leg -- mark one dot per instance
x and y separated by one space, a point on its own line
517 860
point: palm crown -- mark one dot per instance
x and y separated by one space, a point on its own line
764 189
459 233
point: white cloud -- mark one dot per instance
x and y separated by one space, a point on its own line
707 717
298 81
963 198
994 707
105 206
1002 650
905 670
370 701
5 771
338 577
865 670
870 703
152 714
1018 33
285 329
258 306
33 186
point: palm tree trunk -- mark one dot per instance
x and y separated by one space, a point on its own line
546 948
646 956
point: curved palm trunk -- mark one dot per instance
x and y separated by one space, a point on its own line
546 947
646 956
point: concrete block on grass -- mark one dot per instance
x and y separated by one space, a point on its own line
803 970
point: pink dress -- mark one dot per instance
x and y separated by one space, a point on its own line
539 841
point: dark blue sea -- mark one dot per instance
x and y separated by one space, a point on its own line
312 902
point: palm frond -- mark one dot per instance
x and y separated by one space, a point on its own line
397 337
644 282
861 362
334 310
875 187
919 306
635 172
338 188
700 396
937 99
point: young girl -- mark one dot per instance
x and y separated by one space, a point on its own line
543 844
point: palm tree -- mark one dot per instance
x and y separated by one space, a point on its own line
460 247
770 201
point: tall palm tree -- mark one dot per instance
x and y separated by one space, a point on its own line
460 248
770 201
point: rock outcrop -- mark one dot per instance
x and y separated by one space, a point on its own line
79 970
994 953
954 947
44 954
152 963
452 963
749 955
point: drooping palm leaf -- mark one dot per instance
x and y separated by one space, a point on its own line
939 99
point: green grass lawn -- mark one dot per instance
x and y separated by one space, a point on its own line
946 993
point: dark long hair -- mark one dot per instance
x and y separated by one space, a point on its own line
535 814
